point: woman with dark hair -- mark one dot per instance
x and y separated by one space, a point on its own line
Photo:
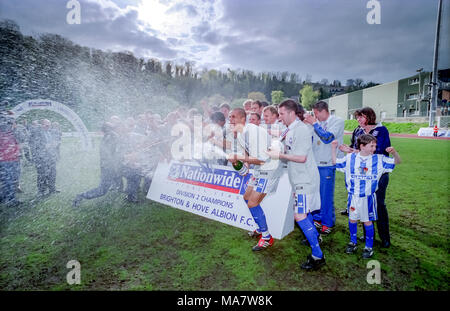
300 112
366 118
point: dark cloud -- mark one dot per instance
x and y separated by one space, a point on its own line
331 39
203 33
324 38
101 27
122 31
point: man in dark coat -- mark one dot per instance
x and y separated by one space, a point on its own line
46 155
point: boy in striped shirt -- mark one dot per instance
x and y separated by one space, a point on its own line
363 170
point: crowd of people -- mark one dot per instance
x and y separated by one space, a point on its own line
38 144
131 148
308 145
129 153
313 149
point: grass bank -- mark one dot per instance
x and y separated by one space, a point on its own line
402 128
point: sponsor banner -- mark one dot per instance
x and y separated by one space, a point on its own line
215 192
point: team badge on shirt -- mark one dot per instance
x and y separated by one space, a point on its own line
363 170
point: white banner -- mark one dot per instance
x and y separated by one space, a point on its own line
215 192
429 131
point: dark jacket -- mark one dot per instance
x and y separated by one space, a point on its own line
46 145
108 151
380 132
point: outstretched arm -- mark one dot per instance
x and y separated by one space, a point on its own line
391 150
325 136
233 158
346 149
276 154
334 145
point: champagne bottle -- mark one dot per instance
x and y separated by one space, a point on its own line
241 168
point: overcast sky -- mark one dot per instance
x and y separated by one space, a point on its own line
323 38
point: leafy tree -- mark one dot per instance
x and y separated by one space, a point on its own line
308 96
323 93
277 97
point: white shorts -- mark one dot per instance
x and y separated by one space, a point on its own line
306 203
362 208
263 185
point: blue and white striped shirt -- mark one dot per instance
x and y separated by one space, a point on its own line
362 173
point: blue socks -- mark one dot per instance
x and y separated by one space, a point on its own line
369 235
311 235
353 232
370 232
311 219
257 226
260 219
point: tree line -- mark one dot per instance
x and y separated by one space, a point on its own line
97 84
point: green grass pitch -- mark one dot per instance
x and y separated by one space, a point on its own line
149 246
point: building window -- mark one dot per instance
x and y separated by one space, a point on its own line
412 96
413 112
413 81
